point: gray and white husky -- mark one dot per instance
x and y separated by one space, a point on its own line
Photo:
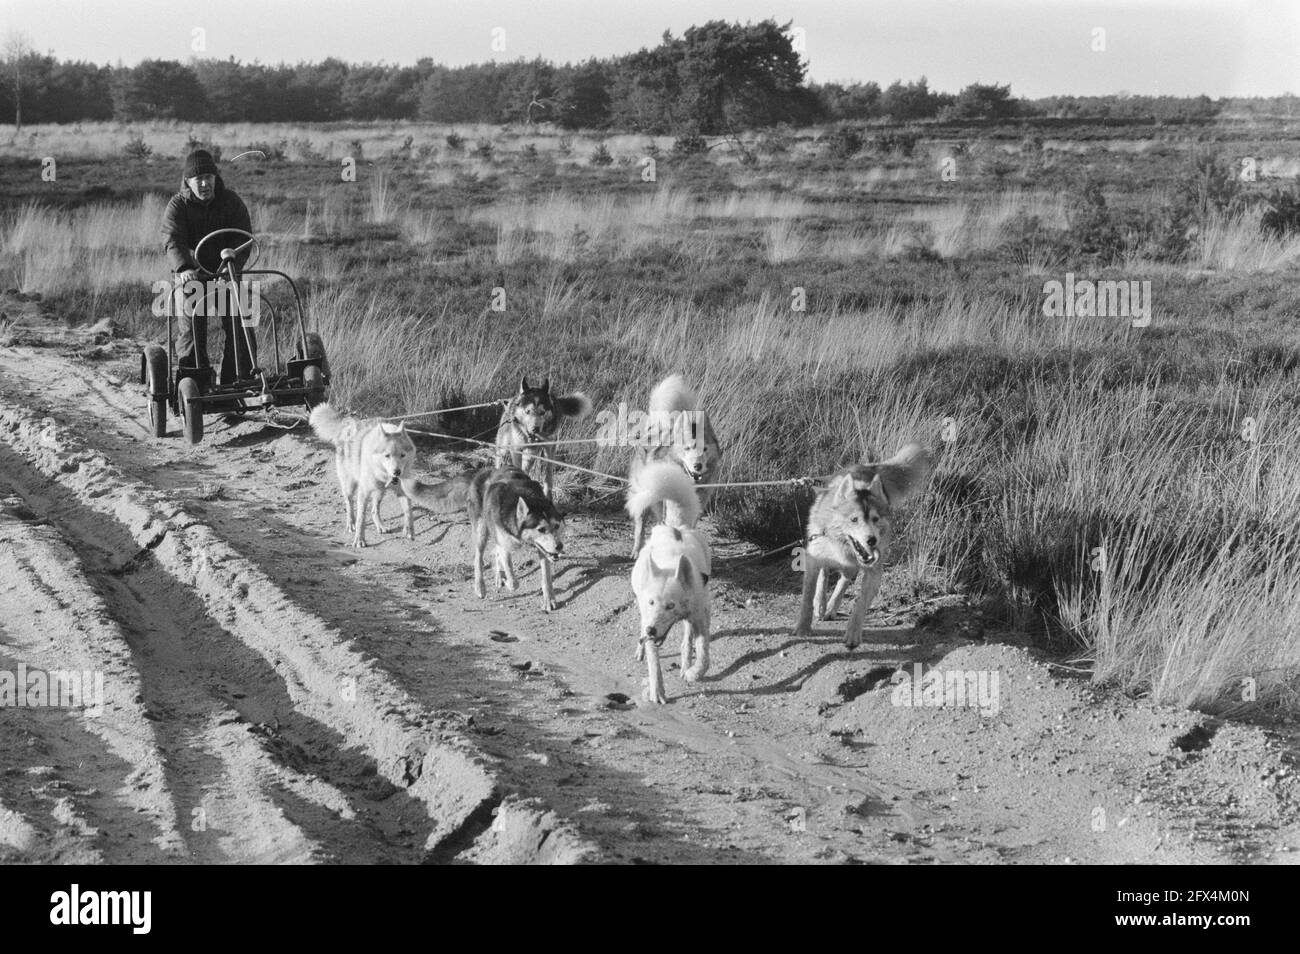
509 508
849 530
529 423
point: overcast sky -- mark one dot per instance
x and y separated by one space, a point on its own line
1040 47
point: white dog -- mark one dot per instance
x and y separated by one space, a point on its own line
371 457
671 574
682 434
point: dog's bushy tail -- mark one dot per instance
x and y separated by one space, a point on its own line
664 482
447 496
903 475
327 422
673 394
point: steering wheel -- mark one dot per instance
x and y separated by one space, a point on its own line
229 253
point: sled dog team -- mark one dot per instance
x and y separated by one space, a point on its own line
848 523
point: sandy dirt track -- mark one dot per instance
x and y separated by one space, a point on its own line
272 695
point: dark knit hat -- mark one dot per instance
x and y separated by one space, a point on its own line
199 163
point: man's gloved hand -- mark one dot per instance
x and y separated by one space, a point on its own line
189 274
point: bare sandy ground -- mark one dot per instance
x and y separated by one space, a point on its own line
272 695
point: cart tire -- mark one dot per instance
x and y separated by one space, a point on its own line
313 379
155 382
191 417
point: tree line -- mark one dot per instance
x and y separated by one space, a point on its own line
713 79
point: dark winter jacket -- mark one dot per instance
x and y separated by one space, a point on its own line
187 220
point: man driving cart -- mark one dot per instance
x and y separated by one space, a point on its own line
204 205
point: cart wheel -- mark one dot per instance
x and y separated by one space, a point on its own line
313 379
191 417
155 382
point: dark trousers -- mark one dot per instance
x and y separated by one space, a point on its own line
192 338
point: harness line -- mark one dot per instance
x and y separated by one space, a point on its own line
499 402
559 463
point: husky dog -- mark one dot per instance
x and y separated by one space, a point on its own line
849 531
371 456
447 496
671 574
510 508
680 433
533 417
